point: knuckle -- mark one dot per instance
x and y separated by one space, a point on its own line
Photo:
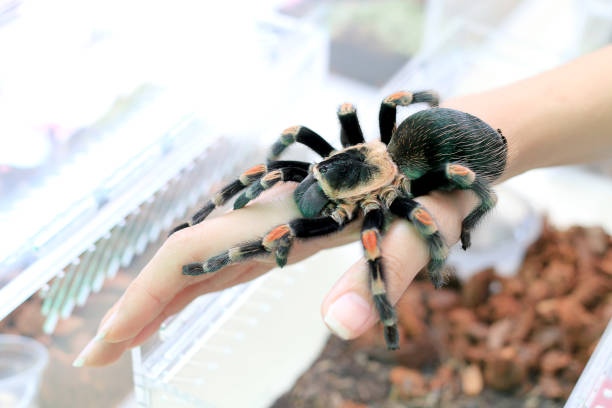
397 276
393 265
179 238
137 287
183 245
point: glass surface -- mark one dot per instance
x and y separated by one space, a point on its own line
22 361
594 387
72 174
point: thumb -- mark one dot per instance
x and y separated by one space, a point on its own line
348 310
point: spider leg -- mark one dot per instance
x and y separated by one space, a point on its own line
454 176
350 133
303 135
388 109
425 225
246 179
373 223
278 241
488 199
269 180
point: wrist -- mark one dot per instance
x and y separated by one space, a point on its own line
496 112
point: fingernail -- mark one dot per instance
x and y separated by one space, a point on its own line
82 357
106 327
347 316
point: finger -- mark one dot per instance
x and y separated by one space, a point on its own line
94 356
106 353
138 313
348 310
249 272
190 294
94 350
99 353
161 279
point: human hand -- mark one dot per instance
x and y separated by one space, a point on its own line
538 134
161 290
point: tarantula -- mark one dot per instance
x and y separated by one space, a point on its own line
433 149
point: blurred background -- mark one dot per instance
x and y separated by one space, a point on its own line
118 118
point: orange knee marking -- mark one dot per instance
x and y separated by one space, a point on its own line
459 170
370 244
398 95
291 130
423 216
399 98
368 238
260 168
272 175
277 233
346 108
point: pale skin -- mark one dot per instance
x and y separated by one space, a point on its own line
563 116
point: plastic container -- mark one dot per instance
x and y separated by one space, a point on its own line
94 181
258 338
22 361
594 387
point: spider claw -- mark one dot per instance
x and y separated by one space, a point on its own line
389 320
391 334
212 264
282 252
193 269
466 239
281 261
438 283
434 268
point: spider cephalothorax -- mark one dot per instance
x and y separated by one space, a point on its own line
433 149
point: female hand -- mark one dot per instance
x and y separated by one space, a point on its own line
161 290
558 117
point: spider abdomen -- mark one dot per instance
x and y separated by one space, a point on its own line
431 138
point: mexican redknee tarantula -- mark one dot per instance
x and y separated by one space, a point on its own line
433 149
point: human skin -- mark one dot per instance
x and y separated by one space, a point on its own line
563 116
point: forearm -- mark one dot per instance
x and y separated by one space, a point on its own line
558 117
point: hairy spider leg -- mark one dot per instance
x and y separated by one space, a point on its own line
488 199
303 135
278 241
388 109
246 179
455 176
373 223
269 180
350 130
425 225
